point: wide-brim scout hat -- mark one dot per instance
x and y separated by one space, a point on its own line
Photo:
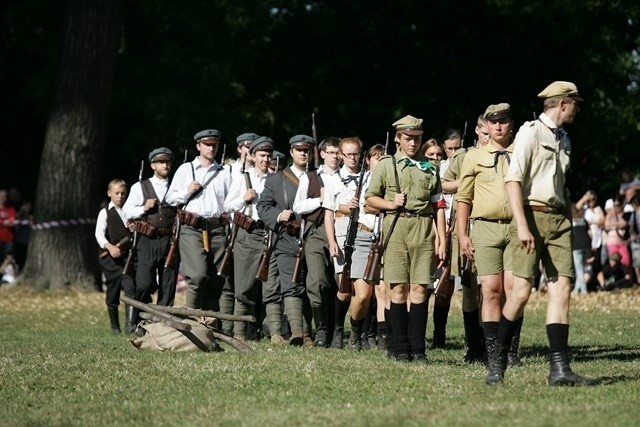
560 89
162 153
207 136
496 112
262 143
409 125
298 140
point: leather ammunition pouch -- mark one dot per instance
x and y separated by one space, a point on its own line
201 223
292 227
151 231
246 222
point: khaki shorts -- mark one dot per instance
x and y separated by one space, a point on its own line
493 254
410 256
552 234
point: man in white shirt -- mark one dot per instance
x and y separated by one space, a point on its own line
200 188
245 160
153 217
320 281
251 234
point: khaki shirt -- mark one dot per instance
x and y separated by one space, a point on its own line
422 187
539 164
482 182
455 166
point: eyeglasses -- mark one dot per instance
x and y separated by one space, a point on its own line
351 155
332 153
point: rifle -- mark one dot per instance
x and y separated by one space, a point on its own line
464 134
128 266
446 287
314 133
374 260
170 260
123 243
346 287
297 268
263 266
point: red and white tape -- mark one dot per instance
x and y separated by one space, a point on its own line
55 224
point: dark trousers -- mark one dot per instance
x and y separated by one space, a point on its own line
201 268
151 273
115 280
247 252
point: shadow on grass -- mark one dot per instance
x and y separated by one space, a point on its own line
586 353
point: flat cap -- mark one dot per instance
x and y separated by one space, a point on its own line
409 125
207 133
262 143
497 112
560 89
246 137
162 153
301 139
277 155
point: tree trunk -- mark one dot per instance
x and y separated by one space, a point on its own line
63 255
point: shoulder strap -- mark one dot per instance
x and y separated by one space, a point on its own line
291 177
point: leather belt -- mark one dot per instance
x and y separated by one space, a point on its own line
544 209
164 231
405 214
364 228
497 221
211 222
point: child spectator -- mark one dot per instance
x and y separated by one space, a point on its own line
614 275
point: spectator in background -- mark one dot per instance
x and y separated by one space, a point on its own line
7 218
613 275
9 269
627 181
594 216
618 233
581 246
634 231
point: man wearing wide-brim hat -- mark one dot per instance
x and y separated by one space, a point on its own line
541 226
415 214
154 217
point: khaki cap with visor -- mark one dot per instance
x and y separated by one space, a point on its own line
409 125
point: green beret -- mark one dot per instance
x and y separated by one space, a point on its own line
277 155
301 139
207 133
496 112
162 153
409 125
560 89
262 143
246 137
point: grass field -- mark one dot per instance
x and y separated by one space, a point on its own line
59 365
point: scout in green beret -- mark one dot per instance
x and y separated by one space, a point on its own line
541 228
407 187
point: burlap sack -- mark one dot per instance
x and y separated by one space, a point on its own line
162 337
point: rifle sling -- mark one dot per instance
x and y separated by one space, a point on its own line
395 218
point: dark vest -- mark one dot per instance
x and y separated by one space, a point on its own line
162 216
315 185
116 230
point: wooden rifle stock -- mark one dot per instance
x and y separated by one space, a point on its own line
170 260
297 268
225 265
124 242
374 262
263 266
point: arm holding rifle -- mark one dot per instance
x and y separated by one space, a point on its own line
170 260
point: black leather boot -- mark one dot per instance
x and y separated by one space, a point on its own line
560 373
338 337
513 360
113 319
354 338
440 317
473 334
321 327
496 361
129 325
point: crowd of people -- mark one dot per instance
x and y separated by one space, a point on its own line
15 226
341 232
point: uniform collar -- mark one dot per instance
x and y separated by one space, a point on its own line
547 121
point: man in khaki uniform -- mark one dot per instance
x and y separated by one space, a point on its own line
541 226
470 303
416 209
482 185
